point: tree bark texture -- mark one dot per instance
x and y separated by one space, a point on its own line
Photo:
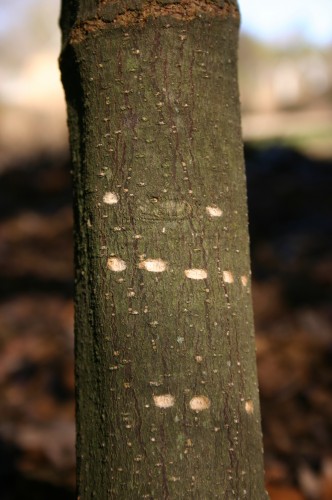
167 400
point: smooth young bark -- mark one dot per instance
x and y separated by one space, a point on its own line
167 400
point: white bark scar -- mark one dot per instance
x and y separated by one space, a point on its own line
153 265
214 211
164 400
244 280
116 264
227 277
249 407
196 274
110 198
199 403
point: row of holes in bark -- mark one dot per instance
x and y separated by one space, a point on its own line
117 264
197 403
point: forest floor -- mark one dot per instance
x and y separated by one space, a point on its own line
290 225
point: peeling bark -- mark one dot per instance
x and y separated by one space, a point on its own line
167 400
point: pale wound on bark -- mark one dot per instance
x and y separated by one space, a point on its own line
110 198
228 277
153 265
116 264
164 400
196 274
199 403
214 211
249 407
244 280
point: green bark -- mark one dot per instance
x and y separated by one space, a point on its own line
167 400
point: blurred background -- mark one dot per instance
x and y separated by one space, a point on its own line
286 91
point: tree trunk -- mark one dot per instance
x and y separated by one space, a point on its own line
167 400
